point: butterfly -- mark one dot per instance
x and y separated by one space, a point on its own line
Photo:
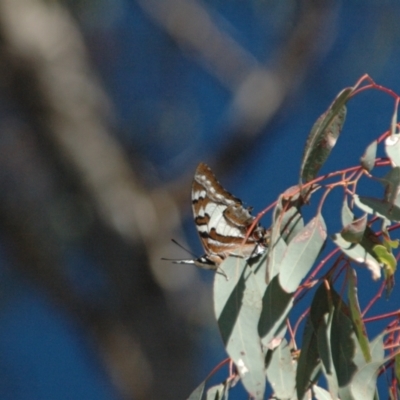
222 223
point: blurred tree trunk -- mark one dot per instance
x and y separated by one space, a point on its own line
59 158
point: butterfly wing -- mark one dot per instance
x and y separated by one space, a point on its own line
221 220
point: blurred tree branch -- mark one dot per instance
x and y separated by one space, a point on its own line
258 91
48 80
65 149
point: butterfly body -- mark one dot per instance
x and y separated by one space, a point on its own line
222 222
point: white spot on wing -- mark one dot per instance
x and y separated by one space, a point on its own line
216 216
224 228
215 204
210 208
199 194
217 243
220 197
218 220
232 231
202 228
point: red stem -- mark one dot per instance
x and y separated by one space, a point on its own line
382 316
219 366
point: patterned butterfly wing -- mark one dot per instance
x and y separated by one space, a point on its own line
221 220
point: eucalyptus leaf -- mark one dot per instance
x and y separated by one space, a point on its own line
368 159
320 393
347 214
381 208
356 315
285 225
397 368
392 148
228 294
292 222
323 312
393 123
259 267
309 360
310 356
238 311
354 232
301 253
360 253
343 345
387 258
276 305
377 348
363 384
276 252
197 393
280 372
323 136
338 347
346 350
215 392
325 352
391 182
275 244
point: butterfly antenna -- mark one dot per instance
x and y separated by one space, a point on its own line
183 248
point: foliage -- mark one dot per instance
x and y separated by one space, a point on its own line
253 302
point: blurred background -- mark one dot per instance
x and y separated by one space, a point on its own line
106 108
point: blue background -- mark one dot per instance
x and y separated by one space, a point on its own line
169 109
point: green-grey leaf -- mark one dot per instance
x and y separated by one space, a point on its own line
317 340
392 148
215 392
275 244
354 232
276 305
343 345
391 183
275 255
323 136
346 351
259 267
228 294
377 348
397 368
363 384
325 351
238 311
320 393
347 214
280 372
387 258
197 393
301 253
320 305
291 224
285 225
393 124
381 208
356 315
360 254
309 361
368 159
